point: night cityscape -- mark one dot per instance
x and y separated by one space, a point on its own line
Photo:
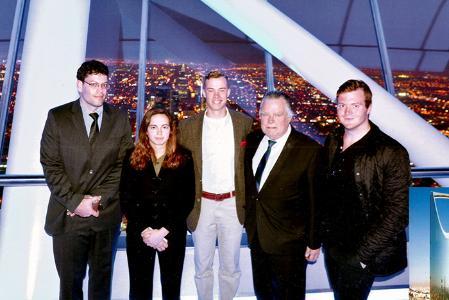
177 86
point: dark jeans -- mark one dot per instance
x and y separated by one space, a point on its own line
348 279
278 276
141 266
73 251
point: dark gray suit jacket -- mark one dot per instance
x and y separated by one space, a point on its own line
190 136
73 169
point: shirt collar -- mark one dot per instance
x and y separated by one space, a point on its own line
86 111
223 120
282 140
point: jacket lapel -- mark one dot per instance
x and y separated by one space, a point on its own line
279 165
78 122
106 125
253 142
197 135
236 125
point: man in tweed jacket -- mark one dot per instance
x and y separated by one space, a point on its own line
216 139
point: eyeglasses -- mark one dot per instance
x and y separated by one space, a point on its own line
354 106
97 85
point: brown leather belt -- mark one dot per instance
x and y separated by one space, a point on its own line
218 197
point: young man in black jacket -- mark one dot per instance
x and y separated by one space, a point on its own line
365 201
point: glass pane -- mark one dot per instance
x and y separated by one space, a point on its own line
188 41
113 37
315 115
6 22
345 26
417 40
7 13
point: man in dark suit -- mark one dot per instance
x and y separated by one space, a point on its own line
281 219
216 139
82 149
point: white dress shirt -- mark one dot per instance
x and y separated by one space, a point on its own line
218 154
276 150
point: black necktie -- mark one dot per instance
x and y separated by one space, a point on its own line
262 163
93 133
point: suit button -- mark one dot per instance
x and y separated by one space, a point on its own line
358 174
91 171
198 200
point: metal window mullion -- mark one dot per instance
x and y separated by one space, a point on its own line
142 65
269 71
10 68
383 51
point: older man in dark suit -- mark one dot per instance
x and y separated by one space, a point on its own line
82 149
281 222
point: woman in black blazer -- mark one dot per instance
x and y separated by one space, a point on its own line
157 193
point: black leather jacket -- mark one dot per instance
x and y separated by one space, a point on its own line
381 178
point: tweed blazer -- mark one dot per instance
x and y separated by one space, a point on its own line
190 136
74 168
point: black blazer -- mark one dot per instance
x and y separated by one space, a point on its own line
73 169
283 214
158 201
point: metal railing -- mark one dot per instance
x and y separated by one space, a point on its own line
27 180
439 172
7 180
21 180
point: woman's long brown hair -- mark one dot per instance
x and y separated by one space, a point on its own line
143 152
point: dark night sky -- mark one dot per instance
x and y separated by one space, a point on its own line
416 31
